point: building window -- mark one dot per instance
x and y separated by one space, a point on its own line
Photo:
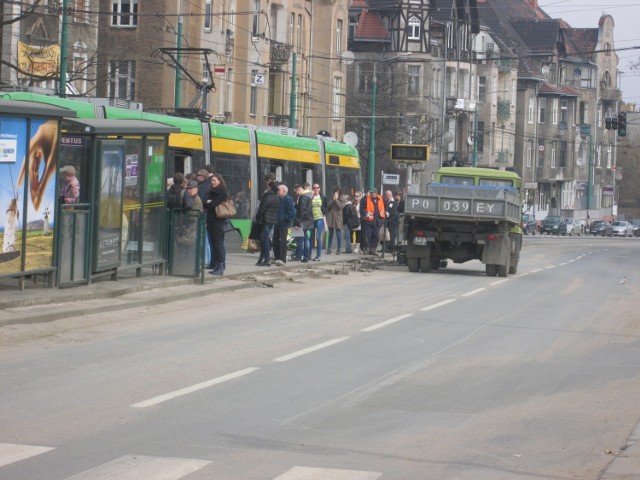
414 80
79 67
122 80
80 14
253 101
480 137
353 25
208 13
124 13
339 36
553 157
337 95
529 153
532 103
542 110
365 76
564 111
540 153
256 15
300 28
563 154
482 89
414 28
292 28
555 111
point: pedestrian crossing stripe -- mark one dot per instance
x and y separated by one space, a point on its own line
11 452
307 473
136 467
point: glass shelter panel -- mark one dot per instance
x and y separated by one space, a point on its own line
153 214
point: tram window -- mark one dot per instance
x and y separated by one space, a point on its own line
334 160
307 175
236 171
197 160
332 179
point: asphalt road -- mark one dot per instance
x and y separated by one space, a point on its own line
378 375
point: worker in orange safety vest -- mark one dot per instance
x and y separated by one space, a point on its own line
372 216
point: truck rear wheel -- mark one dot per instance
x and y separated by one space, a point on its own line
425 265
414 264
492 270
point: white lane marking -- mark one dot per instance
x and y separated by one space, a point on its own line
498 282
137 467
305 351
565 263
193 388
571 261
536 270
11 452
439 304
473 292
387 322
522 274
308 473
551 266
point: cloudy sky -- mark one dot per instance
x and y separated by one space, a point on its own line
626 14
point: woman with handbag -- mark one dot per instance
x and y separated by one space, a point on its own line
215 225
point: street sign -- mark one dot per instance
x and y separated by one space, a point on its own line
391 179
258 79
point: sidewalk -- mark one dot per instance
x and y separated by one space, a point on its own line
36 303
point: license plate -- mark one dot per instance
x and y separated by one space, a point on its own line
419 240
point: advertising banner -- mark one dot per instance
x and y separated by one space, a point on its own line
28 159
41 61
112 158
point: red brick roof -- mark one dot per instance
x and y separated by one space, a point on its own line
370 27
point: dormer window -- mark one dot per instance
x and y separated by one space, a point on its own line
414 26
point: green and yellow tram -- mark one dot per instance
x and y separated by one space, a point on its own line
243 154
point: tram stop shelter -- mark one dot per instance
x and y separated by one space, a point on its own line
118 223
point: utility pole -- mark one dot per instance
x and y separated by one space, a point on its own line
176 102
62 91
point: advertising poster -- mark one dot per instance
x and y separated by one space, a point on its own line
27 171
110 208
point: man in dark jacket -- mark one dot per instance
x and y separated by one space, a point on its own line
203 177
268 216
304 222
391 210
286 215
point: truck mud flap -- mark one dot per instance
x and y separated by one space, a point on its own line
497 249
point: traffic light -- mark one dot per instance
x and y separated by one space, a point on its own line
607 123
622 124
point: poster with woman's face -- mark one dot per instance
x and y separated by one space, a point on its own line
27 192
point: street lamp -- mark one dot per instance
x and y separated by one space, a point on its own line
372 138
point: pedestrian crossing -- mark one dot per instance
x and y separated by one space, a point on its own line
136 467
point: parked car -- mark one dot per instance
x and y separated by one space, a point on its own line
553 224
529 224
573 226
601 227
621 228
636 227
